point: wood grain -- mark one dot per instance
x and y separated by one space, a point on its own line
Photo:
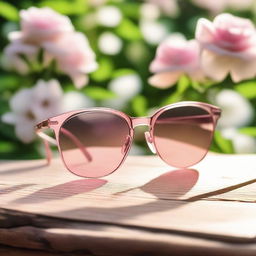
145 206
53 235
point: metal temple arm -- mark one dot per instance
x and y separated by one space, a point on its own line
48 139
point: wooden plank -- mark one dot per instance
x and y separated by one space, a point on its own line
41 234
212 201
10 251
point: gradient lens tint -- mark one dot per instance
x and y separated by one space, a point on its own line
183 135
94 144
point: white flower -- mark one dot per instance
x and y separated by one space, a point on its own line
149 11
242 143
236 110
30 106
47 99
109 43
74 56
14 51
126 86
109 16
154 32
115 103
219 6
168 7
22 116
76 100
96 3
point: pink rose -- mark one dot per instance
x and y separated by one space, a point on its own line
174 58
43 27
41 24
228 46
74 56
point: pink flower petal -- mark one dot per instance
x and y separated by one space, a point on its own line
75 61
248 54
176 54
215 66
43 24
79 79
204 31
242 70
228 45
229 21
164 80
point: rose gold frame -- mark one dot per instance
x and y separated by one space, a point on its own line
55 123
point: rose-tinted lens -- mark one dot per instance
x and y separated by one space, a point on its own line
93 144
183 135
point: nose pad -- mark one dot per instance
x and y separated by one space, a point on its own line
150 143
127 144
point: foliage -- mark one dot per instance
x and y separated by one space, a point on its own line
134 58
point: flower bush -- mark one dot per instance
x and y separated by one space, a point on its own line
45 29
132 55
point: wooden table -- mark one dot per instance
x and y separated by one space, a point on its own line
144 208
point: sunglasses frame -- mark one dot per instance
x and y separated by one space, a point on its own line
55 123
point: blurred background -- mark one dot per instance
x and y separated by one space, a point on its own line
124 36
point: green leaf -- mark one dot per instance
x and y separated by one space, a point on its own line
251 131
7 131
66 7
183 84
174 97
225 145
198 86
130 9
104 72
122 72
7 147
8 11
247 89
8 82
139 105
99 93
4 106
128 30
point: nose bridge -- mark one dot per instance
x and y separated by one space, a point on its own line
140 121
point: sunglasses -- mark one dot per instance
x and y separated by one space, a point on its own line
95 142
